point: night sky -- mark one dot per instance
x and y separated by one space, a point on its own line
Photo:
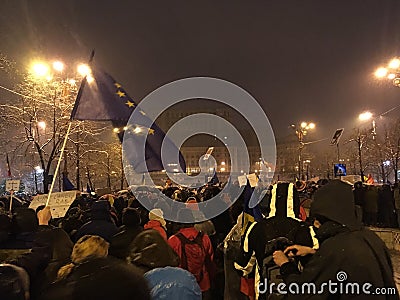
302 60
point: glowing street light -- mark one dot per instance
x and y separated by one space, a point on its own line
391 71
58 66
40 69
394 63
365 116
381 72
84 70
301 131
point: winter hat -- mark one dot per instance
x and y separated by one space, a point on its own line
101 205
24 220
85 249
185 215
130 217
191 203
157 215
300 185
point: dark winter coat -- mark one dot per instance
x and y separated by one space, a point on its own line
346 249
120 242
100 279
100 222
150 250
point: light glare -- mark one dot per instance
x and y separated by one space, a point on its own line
394 63
381 72
84 70
58 66
40 69
365 116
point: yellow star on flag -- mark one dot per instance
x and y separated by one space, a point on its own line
117 85
130 104
151 131
120 94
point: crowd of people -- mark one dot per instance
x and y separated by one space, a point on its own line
113 247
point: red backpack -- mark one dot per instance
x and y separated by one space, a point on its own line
195 251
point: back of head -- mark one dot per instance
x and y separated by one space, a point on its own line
25 220
157 215
100 210
131 217
150 250
87 247
14 282
115 280
185 216
335 201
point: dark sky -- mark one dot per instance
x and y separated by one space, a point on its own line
302 60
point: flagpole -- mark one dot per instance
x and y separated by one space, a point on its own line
58 163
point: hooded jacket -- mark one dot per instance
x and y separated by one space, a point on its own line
173 283
150 250
100 222
282 220
347 250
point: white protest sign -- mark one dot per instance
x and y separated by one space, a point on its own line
59 202
12 185
208 153
242 180
253 180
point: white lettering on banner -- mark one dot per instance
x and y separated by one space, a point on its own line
59 202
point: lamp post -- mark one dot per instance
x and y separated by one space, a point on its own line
390 72
301 130
50 76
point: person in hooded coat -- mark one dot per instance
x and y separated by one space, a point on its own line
150 250
130 228
100 222
282 220
347 250
172 283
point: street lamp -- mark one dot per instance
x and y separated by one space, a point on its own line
391 71
301 130
366 116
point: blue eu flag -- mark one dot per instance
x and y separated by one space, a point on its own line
67 184
101 98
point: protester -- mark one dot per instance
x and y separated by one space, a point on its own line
150 250
282 220
194 250
346 249
173 283
93 275
120 242
100 223
157 222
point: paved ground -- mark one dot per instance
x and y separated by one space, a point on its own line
396 267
